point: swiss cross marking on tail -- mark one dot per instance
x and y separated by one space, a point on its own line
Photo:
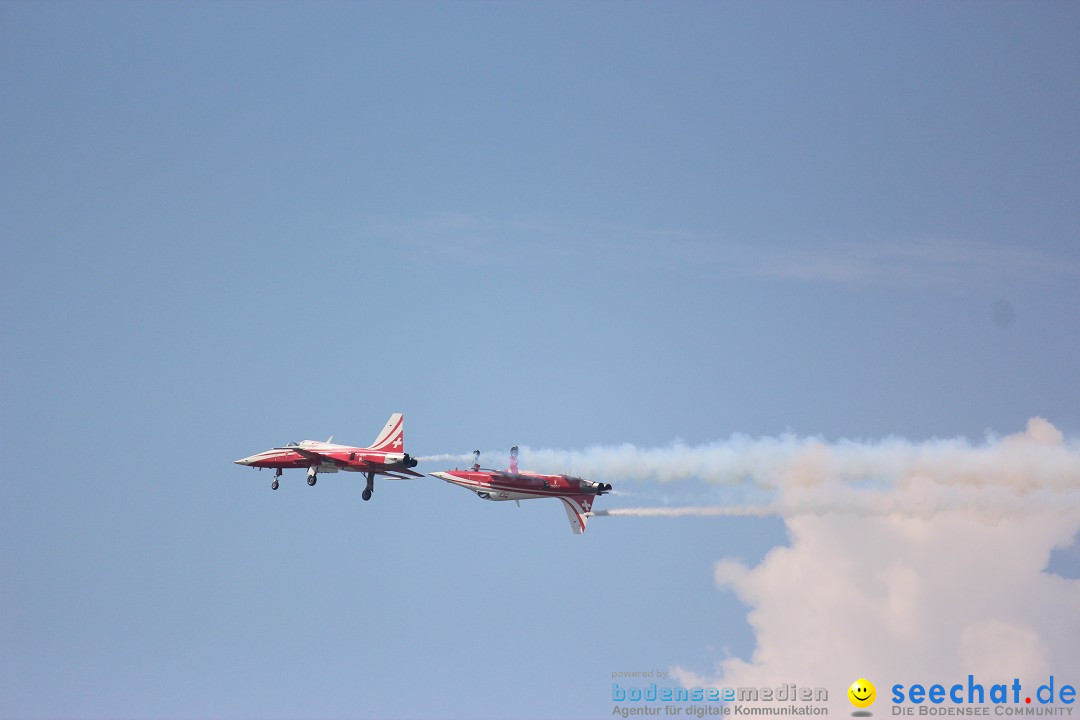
397 443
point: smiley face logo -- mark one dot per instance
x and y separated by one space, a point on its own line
862 693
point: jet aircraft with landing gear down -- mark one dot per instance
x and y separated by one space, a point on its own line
386 456
576 494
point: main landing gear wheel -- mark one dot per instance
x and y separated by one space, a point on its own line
311 480
366 494
274 485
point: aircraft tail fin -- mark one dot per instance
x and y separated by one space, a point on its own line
392 437
577 509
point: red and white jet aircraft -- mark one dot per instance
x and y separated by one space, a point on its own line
576 494
386 456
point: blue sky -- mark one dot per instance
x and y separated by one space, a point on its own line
227 226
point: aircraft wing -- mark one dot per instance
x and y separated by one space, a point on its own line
577 511
398 474
406 471
309 454
394 475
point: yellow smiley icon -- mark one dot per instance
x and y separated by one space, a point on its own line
862 693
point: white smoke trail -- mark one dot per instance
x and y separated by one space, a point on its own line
688 510
1032 471
446 458
1040 452
921 500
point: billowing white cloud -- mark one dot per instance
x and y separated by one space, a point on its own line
907 599
944 577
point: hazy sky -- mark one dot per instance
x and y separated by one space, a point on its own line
226 226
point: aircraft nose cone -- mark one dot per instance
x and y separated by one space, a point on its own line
242 461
